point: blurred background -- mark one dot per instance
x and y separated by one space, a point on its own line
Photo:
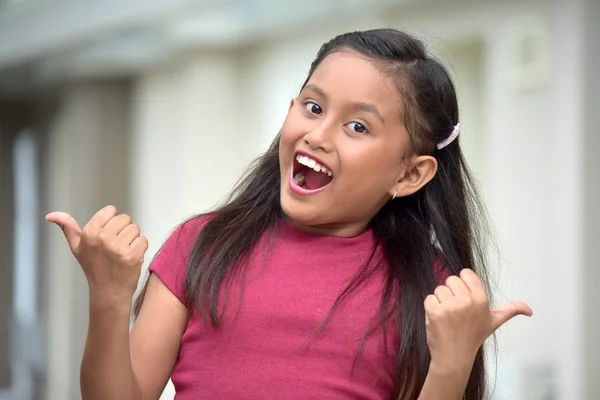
157 106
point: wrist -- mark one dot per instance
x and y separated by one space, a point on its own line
445 382
109 301
452 371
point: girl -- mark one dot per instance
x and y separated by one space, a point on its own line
342 267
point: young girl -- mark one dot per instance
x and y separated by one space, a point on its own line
345 265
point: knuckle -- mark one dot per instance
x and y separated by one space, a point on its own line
483 300
126 218
465 309
129 259
452 308
467 301
86 232
466 273
452 279
103 237
437 313
133 259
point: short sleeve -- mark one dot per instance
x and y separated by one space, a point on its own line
170 263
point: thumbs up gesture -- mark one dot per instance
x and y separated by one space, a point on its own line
109 249
459 320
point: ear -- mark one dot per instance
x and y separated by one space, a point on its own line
418 172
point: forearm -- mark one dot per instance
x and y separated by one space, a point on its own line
106 370
442 384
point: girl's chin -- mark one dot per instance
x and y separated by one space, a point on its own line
301 214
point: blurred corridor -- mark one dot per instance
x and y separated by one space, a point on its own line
157 106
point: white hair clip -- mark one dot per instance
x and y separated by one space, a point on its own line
450 138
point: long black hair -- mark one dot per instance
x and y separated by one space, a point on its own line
444 221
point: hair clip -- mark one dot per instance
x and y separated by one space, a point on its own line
450 138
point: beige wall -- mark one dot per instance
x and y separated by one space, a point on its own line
87 154
529 165
591 198
188 145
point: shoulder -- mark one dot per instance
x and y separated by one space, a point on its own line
185 234
171 260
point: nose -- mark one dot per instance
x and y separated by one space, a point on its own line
321 137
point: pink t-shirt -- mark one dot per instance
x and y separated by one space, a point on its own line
263 349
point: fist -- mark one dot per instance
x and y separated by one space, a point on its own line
110 250
459 319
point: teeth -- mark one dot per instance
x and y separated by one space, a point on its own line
312 164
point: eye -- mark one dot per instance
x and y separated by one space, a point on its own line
313 108
357 127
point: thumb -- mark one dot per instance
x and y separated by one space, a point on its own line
505 313
69 226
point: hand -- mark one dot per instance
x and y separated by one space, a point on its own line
109 249
459 320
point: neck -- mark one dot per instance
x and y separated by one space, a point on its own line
340 230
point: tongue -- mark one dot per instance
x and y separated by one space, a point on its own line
315 180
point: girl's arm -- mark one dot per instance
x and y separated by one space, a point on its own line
459 320
115 364
444 385
136 366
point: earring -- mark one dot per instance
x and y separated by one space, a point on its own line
394 195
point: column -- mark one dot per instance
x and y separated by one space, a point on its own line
87 169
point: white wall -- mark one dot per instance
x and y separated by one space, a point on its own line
188 146
530 182
86 171
535 175
591 184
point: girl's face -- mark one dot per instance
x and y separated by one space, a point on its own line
342 146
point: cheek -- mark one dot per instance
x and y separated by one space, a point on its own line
292 127
286 143
370 171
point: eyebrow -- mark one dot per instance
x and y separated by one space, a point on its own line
361 106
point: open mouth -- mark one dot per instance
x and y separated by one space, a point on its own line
309 175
